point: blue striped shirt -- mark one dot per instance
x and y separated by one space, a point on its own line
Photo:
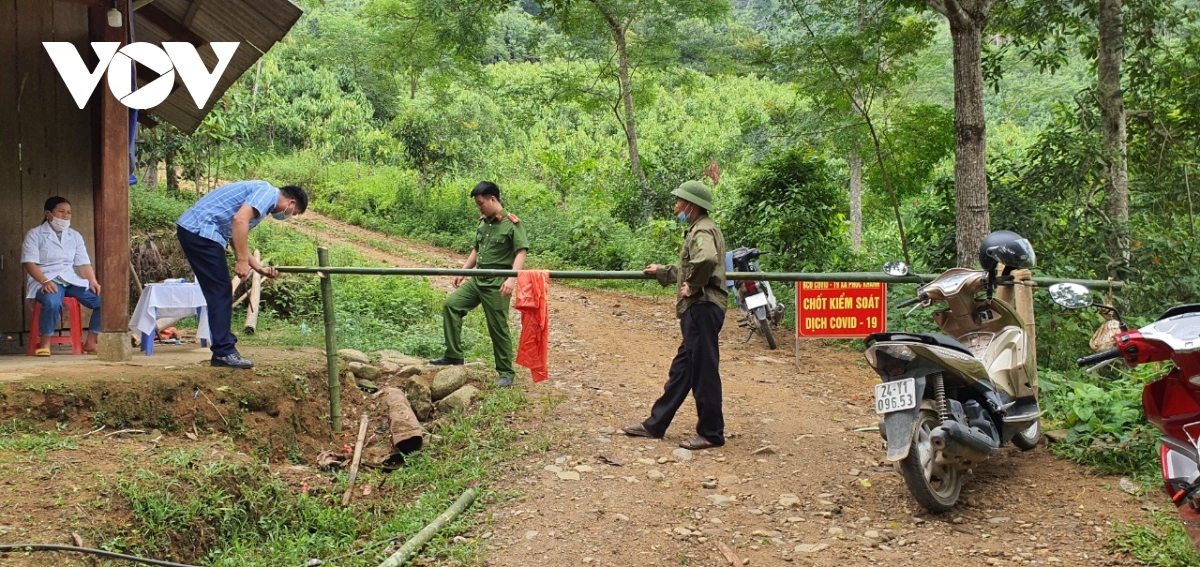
212 216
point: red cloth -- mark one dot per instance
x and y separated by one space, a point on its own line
533 301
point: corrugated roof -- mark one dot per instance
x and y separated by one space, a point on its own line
257 24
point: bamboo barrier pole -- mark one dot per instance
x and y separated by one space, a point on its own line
335 384
634 275
412 546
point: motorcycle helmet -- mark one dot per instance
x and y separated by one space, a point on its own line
1008 248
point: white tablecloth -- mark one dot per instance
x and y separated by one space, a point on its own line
170 300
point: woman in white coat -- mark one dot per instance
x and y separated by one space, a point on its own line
58 266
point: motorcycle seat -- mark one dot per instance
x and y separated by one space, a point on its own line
1180 310
746 254
924 338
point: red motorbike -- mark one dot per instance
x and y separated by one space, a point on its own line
1172 403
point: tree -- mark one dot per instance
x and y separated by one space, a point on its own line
852 60
1112 115
639 32
416 36
1043 31
967 18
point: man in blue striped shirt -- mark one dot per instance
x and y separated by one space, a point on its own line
205 230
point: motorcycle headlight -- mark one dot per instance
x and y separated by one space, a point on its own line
899 351
869 354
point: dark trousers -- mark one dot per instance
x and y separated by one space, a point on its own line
212 273
695 369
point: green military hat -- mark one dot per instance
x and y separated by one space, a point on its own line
696 193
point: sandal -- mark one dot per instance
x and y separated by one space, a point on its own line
638 430
42 352
697 443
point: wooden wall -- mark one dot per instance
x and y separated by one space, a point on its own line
46 142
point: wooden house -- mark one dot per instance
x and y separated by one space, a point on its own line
49 146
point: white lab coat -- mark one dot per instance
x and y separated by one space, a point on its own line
57 258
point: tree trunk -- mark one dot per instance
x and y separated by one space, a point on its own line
172 178
150 177
856 221
970 164
626 87
1112 115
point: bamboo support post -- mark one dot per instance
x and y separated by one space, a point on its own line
255 298
412 546
358 447
335 385
1023 301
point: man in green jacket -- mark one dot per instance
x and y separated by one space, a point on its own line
700 276
500 244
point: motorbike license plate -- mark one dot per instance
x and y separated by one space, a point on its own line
895 396
755 301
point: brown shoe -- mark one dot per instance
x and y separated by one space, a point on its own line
639 430
697 443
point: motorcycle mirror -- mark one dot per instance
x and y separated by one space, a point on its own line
1071 295
895 268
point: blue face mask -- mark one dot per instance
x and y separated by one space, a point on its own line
683 217
282 216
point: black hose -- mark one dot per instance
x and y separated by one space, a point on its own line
20 547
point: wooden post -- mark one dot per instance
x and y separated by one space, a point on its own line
335 385
255 297
111 197
358 446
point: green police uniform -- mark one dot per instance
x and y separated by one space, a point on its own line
497 241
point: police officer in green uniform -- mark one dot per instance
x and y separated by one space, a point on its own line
700 275
500 244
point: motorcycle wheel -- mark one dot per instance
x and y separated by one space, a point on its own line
935 487
1029 438
764 325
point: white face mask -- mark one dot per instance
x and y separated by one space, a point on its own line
60 224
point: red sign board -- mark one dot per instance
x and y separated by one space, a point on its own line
840 310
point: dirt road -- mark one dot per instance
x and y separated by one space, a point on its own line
796 483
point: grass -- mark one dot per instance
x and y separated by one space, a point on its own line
226 511
1164 543
26 437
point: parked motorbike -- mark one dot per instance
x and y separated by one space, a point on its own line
761 313
1172 403
950 401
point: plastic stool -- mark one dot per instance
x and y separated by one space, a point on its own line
71 306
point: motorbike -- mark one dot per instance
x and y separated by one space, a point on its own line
760 311
1172 402
948 402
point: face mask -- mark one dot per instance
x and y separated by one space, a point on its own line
60 224
684 217
282 216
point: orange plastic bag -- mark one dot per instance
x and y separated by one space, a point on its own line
532 300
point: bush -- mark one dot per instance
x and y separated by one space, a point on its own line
1103 415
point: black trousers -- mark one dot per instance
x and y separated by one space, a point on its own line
212 273
696 370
